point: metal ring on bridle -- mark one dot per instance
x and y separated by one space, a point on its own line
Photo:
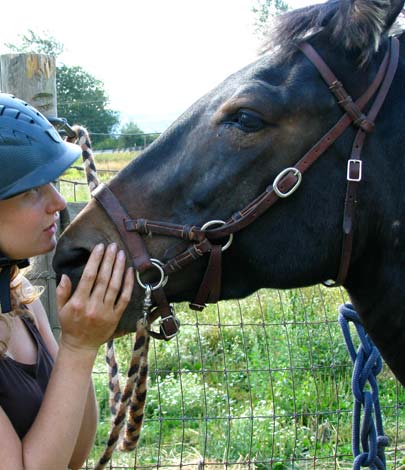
161 264
219 222
281 175
163 277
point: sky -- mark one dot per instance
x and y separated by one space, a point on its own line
155 57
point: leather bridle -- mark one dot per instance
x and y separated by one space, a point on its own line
206 240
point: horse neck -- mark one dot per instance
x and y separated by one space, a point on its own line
379 298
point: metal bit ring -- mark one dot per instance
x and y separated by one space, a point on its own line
163 277
219 222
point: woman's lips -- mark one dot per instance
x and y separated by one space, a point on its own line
51 229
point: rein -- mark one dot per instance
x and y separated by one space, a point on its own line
205 240
127 404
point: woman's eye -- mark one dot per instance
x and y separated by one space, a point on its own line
32 192
247 121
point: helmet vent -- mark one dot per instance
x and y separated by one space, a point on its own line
11 113
54 135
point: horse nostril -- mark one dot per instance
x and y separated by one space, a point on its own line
78 257
70 261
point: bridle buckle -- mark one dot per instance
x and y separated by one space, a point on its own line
169 326
354 170
296 172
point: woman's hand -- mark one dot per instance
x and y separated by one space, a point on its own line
89 316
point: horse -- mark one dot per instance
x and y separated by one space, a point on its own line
286 175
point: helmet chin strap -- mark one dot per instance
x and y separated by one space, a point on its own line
5 278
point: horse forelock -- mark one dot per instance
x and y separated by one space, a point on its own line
354 25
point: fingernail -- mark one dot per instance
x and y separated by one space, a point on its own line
100 247
63 280
121 255
113 246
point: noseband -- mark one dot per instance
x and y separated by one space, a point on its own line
207 239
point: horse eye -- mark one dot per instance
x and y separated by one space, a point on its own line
247 121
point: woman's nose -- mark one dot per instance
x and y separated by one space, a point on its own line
56 201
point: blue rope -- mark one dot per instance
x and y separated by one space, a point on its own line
367 364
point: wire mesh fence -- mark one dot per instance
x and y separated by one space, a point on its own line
258 383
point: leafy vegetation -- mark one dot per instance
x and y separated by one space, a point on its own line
38 43
82 100
263 381
264 10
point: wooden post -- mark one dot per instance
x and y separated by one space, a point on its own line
32 77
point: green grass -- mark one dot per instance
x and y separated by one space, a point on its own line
261 383
265 380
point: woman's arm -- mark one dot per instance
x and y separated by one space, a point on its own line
88 428
10 449
87 431
88 318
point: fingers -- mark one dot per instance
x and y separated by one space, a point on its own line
90 316
90 271
109 274
63 291
102 277
126 292
115 279
103 281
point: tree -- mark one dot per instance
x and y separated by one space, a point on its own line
32 42
131 136
264 10
81 98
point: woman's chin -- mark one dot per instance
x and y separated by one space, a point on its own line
43 250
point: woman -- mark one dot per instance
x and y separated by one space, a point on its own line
48 413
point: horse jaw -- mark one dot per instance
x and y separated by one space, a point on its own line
74 248
93 226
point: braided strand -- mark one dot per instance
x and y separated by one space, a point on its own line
83 139
140 347
134 394
113 378
137 405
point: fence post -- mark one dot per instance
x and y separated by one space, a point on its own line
32 77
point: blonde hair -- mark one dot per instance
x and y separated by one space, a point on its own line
21 294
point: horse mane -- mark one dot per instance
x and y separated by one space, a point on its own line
355 26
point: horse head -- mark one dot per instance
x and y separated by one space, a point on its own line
240 149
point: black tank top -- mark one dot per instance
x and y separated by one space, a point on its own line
22 386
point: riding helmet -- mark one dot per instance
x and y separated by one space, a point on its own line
32 153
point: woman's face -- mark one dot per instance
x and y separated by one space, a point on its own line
28 222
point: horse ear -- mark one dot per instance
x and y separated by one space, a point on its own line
359 24
393 11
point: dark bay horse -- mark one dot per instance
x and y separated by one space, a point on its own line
252 139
